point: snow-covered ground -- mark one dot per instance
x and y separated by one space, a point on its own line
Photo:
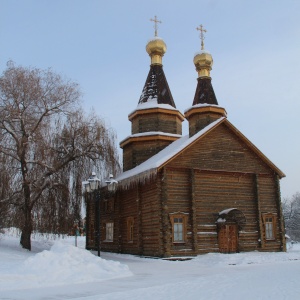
55 269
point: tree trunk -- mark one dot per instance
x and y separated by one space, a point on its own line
26 229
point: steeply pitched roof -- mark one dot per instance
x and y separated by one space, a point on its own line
205 92
150 167
156 87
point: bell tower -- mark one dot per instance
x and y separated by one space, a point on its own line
156 122
205 108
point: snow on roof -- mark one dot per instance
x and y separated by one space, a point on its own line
154 39
226 211
150 166
221 220
202 105
201 52
149 133
152 103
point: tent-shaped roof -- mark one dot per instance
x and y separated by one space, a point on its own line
205 92
156 87
150 167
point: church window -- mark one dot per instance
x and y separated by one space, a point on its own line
92 235
109 232
269 225
108 205
130 222
179 228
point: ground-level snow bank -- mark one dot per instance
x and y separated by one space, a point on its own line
62 264
55 274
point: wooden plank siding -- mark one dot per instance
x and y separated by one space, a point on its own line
268 204
166 230
151 219
137 152
156 122
225 171
109 213
217 172
179 201
221 149
217 191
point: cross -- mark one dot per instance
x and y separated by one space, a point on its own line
155 24
201 35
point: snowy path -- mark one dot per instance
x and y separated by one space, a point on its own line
214 276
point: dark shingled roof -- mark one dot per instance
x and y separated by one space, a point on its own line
205 92
156 86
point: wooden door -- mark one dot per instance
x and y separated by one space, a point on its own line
228 238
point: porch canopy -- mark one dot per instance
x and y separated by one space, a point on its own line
231 216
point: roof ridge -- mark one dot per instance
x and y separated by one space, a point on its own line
162 157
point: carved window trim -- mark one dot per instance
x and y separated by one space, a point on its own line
269 221
130 229
108 205
109 232
179 232
92 232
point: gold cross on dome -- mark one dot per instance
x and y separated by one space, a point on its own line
202 30
155 24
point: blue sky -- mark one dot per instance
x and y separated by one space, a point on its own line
101 45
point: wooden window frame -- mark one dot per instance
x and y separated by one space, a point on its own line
184 231
266 217
130 229
105 205
93 232
109 233
111 205
108 205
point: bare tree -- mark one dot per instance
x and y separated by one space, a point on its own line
4 192
291 212
50 146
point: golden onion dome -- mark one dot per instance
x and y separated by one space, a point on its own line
203 62
156 48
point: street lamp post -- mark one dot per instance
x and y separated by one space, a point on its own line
111 183
92 185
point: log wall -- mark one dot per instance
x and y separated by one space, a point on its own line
218 172
216 191
156 122
268 204
136 153
179 201
199 121
221 150
151 220
129 208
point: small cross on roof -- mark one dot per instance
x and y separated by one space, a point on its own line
202 30
155 24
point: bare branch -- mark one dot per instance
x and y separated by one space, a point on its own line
48 146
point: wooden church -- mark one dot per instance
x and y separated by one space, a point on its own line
209 191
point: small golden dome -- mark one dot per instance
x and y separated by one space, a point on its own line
156 48
203 62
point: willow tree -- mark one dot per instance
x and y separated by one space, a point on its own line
49 147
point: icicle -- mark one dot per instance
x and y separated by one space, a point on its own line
139 178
